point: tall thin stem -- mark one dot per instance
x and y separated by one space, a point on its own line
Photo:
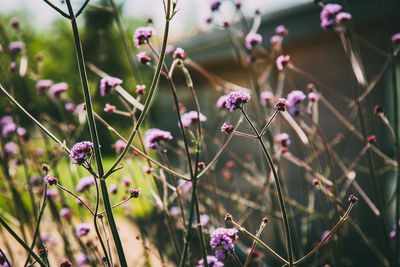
278 189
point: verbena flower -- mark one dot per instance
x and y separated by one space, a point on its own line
343 17
252 39
66 213
66 263
295 97
396 38
70 107
8 128
328 15
212 261
14 22
83 229
57 89
215 5
80 151
140 89
266 96
42 85
154 137
227 128
126 181
179 53
190 117
13 66
84 184
82 259
11 148
108 83
143 58
119 145
313 97
52 193
109 108
236 100
50 180
281 104
142 35
283 139
221 101
16 47
281 30
113 189
276 40
282 61
223 239
135 192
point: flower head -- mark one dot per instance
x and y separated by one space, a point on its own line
119 145
143 58
265 96
281 30
295 97
107 84
211 261
227 128
276 40
14 22
142 35
8 128
80 151
313 97
126 181
283 139
66 213
343 17
109 108
82 259
281 104
221 101
50 180
16 47
396 38
70 107
190 117
140 89
328 15
57 89
84 183
83 229
11 148
215 5
42 85
179 53
66 263
236 100
154 137
223 238
113 189
135 192
282 61
252 39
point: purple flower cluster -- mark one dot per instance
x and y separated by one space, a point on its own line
7 126
57 89
215 5
252 39
83 229
142 35
330 15
266 96
313 97
212 261
190 117
221 101
281 30
396 38
154 137
16 47
227 128
11 148
295 99
223 238
119 145
179 53
50 180
281 104
66 213
84 183
236 100
143 58
282 61
107 84
80 151
42 85
282 139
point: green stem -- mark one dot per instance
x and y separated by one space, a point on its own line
278 189
22 243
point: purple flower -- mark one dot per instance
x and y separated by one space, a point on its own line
113 189
220 254
80 151
204 219
328 15
143 58
6 120
343 17
16 47
81 259
1 49
179 53
223 238
119 146
56 90
14 22
140 89
190 117
185 186
235 100
51 193
13 66
282 61
154 137
169 50
135 192
276 40
295 97
252 39
238 4
265 96
211 261
227 128
84 183
313 97
66 213
107 84
215 5
7 129
50 180
142 35
109 108
175 211
126 181
83 229
221 101
11 148
283 139
281 30
21 132
42 85
281 104
396 38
